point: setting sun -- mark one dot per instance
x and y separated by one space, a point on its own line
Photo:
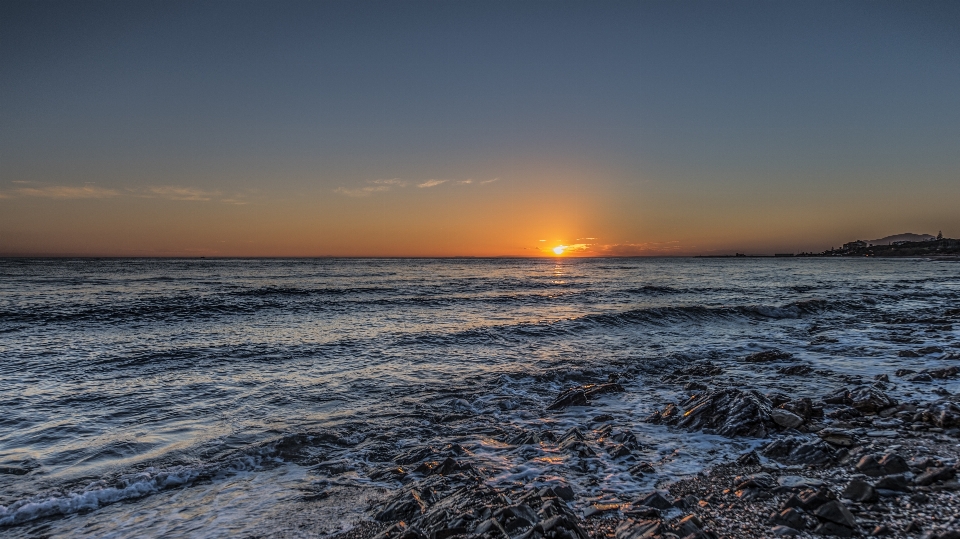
558 250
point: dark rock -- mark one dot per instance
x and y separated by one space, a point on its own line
837 513
870 400
893 463
694 386
749 459
903 372
907 353
784 531
795 370
798 450
768 356
946 372
729 412
882 378
705 368
814 499
642 529
926 350
830 528
789 517
654 499
915 526
932 475
803 407
881 530
838 437
689 525
844 413
574 396
760 480
860 491
564 492
894 482
868 465
602 418
13 470
785 419
919 377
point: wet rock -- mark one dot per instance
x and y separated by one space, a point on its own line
704 368
749 459
946 372
574 396
837 437
933 475
831 528
798 450
837 513
760 480
784 531
893 463
786 419
728 412
844 413
860 491
564 492
893 482
795 370
789 517
919 377
881 530
694 386
870 466
907 353
870 400
803 407
767 356
903 372
642 529
654 499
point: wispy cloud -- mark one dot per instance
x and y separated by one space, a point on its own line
67 191
176 192
361 191
431 183
392 182
489 181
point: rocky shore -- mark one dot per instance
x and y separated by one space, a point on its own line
852 463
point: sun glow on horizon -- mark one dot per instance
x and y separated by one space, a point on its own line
558 250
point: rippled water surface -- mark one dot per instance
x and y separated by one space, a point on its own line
216 398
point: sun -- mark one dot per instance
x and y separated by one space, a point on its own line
558 250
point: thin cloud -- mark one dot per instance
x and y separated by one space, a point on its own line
465 182
67 192
174 192
431 183
394 182
489 181
362 191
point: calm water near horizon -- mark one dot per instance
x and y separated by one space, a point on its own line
242 398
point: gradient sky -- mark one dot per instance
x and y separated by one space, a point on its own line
399 128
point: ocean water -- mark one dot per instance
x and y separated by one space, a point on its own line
272 398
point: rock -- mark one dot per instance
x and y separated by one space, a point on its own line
844 413
798 450
763 481
789 517
729 412
799 482
860 491
919 377
642 529
837 437
749 459
574 396
893 482
882 378
830 528
600 508
932 475
784 531
592 390
868 465
768 356
786 419
946 372
893 463
903 372
907 353
564 492
881 530
814 499
689 525
803 407
915 526
654 499
870 400
837 513
795 370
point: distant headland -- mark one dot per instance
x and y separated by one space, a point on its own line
900 245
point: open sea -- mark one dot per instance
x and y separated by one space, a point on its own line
277 398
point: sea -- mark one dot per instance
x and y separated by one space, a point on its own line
211 398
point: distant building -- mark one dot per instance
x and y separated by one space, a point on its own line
853 245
